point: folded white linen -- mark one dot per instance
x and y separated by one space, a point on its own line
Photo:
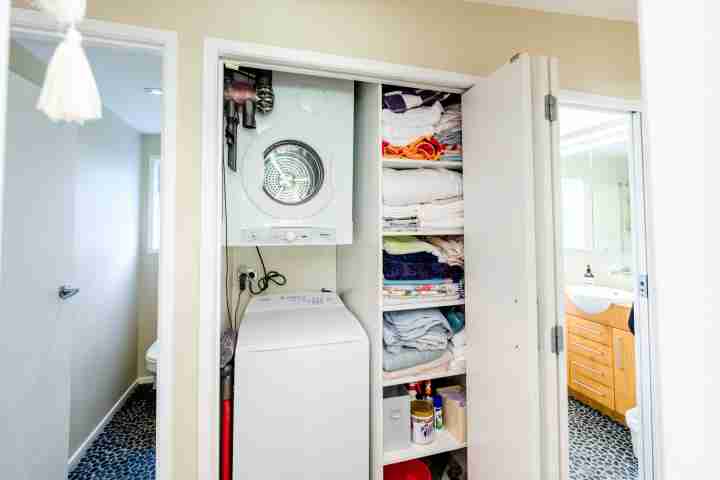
450 222
417 117
441 209
423 185
402 211
459 339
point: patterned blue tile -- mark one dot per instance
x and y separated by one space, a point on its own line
600 448
125 449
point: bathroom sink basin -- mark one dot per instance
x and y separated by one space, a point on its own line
594 300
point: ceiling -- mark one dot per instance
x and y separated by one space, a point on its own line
122 76
610 9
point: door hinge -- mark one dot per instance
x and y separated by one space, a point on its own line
551 108
643 285
557 339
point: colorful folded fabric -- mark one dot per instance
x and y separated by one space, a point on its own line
423 148
398 270
416 283
406 245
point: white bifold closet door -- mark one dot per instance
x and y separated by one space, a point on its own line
37 255
511 270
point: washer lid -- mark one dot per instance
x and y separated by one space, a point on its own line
296 320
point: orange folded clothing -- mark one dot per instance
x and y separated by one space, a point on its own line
424 148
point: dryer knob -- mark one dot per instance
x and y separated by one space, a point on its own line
290 236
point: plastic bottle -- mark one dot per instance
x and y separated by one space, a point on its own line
438 417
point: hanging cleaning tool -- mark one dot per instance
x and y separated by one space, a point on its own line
227 351
69 92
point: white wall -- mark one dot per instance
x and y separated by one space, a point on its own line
149 265
601 262
681 76
107 232
306 268
104 318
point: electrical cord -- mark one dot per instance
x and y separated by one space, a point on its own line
228 274
268 277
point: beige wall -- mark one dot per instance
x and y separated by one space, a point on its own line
149 265
596 56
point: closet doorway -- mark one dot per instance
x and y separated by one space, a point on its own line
607 355
73 229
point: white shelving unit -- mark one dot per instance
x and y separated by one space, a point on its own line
428 375
406 164
417 306
443 442
507 181
360 274
424 231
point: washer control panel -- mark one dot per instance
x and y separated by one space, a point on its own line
279 236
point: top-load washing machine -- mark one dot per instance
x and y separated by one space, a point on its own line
294 178
302 390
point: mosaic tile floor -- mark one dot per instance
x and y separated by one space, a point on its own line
125 449
600 448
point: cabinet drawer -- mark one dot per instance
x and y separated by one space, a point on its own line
583 366
587 329
593 390
587 348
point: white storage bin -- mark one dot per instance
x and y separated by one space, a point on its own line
396 418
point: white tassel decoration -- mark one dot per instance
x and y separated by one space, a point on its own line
69 92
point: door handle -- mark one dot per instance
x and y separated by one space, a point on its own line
619 354
65 292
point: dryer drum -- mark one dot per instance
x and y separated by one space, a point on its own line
294 172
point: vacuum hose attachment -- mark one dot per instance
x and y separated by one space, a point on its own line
264 91
248 114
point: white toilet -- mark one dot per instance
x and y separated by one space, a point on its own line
151 358
632 417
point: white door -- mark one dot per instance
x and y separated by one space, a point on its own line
37 259
506 248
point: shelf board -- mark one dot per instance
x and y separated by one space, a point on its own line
428 375
444 442
420 305
424 231
403 164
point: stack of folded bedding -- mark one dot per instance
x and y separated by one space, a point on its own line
448 132
419 271
419 340
421 125
422 198
410 134
415 337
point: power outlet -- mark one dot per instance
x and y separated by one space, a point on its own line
249 271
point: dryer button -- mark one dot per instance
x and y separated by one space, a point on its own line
290 236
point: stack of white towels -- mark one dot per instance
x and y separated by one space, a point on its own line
422 198
404 128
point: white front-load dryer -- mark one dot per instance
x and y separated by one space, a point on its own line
294 181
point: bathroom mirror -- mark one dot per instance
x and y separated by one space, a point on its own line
595 180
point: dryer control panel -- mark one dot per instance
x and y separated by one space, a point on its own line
279 236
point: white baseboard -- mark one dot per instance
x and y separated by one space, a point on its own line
144 380
75 457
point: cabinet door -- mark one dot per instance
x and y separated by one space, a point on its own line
504 414
624 370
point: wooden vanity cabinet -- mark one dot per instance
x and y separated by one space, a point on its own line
601 359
